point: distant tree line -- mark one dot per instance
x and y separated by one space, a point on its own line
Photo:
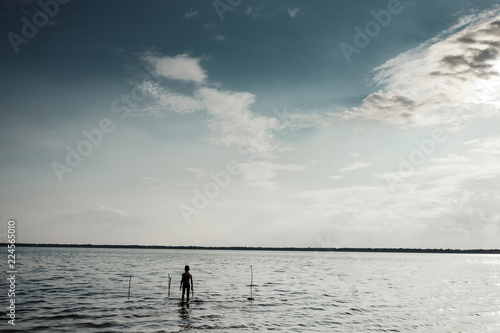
247 248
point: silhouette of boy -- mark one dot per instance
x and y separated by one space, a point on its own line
186 278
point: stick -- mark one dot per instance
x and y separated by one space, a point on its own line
129 280
169 282
251 284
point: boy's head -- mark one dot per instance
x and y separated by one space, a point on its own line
186 268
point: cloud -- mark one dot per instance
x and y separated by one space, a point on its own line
236 124
198 172
105 208
300 120
98 213
355 166
480 206
445 81
293 12
449 159
485 146
181 67
454 195
220 38
150 178
249 10
414 212
163 101
190 14
231 117
100 224
255 12
262 173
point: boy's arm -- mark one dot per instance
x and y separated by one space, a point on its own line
191 281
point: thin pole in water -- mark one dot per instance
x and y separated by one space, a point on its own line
169 282
251 284
129 280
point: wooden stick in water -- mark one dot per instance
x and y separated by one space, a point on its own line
129 280
169 282
251 284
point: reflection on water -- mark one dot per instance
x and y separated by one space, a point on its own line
293 291
184 313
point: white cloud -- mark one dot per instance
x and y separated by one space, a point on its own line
105 208
485 146
293 12
445 81
305 120
198 172
449 159
164 101
231 116
337 177
262 173
417 214
236 124
220 37
150 178
455 195
181 67
356 166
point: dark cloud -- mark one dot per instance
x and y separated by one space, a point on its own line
476 61
455 75
404 101
466 40
473 58
454 61
389 102
430 87
491 43
486 55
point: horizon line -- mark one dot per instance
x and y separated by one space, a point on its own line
267 248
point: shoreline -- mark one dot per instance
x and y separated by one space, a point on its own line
248 248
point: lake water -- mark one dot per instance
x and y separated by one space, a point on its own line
85 290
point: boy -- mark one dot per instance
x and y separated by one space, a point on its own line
186 278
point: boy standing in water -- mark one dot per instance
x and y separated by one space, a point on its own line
186 278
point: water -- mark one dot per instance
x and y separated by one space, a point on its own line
85 290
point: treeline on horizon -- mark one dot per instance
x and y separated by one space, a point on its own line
316 249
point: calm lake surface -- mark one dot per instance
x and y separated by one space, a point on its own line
85 290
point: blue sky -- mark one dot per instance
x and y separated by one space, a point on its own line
248 123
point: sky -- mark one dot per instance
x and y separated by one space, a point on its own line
251 123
